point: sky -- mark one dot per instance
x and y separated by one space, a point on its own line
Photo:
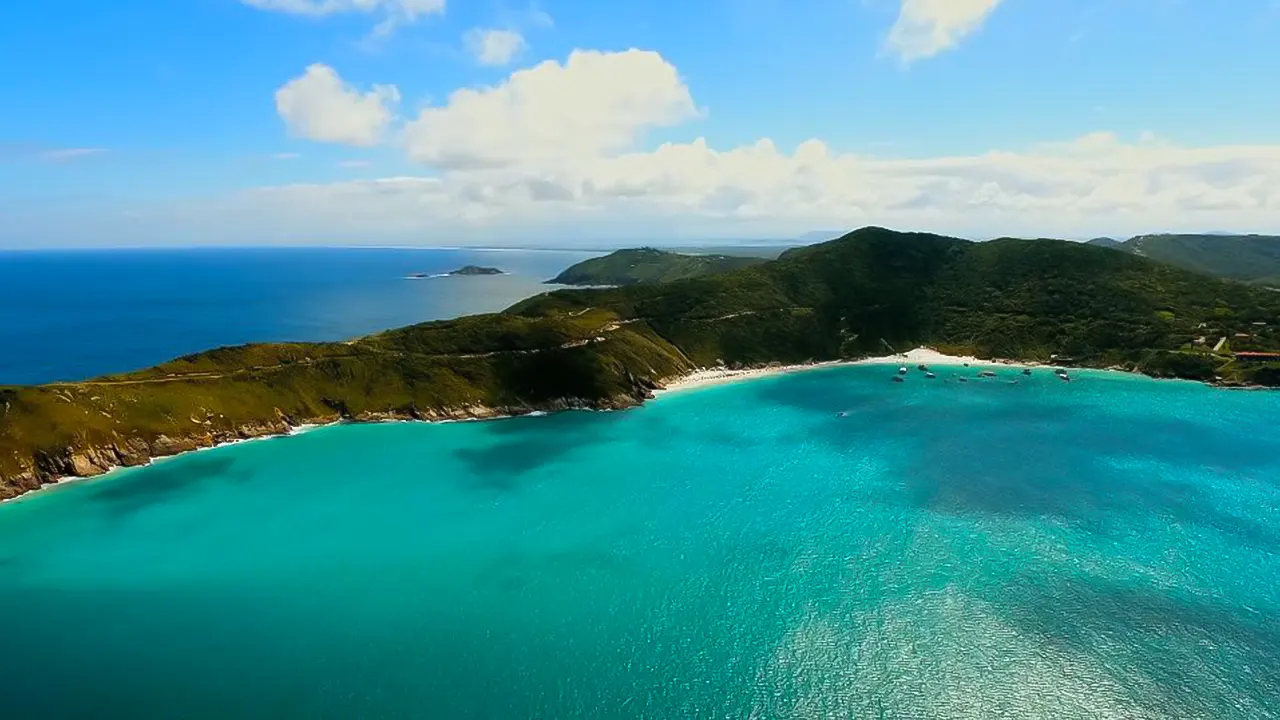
596 122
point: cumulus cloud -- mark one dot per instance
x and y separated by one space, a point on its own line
927 27
319 105
556 151
593 104
493 47
1096 184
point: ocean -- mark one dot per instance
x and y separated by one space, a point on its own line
70 315
1105 548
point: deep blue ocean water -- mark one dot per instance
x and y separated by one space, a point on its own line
68 315
1107 548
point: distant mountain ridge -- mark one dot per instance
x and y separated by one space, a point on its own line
1249 258
1106 242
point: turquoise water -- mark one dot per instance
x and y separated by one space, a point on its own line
1108 548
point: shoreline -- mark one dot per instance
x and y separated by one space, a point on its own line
471 415
710 377
65 480
697 379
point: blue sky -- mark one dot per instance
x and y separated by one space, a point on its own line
338 121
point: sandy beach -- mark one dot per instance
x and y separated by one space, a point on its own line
919 356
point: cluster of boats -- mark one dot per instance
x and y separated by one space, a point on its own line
903 371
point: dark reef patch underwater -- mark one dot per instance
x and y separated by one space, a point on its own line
1108 548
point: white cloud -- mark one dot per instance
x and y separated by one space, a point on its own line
1096 184
395 12
927 27
493 47
594 104
318 105
352 164
407 9
554 155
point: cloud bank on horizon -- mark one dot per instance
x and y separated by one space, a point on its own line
593 145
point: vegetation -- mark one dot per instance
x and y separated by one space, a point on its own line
852 297
1251 258
647 265
476 270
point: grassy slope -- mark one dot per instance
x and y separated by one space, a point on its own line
647 265
1006 298
489 361
1252 258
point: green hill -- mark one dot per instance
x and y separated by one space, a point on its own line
648 265
1106 242
1023 299
1251 258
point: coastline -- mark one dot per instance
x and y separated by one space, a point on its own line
920 356
697 379
64 480
467 414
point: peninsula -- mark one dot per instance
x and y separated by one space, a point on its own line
1032 300
649 265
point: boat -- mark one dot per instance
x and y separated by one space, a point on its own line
964 379
922 367
987 373
1060 372
1064 377
898 378
930 375
902 370
1026 371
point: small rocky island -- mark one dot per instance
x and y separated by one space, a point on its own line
464 270
477 270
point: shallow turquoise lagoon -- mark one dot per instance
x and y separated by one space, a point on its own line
1105 548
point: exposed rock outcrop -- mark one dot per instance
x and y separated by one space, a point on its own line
92 460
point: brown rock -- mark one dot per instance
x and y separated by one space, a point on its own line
84 464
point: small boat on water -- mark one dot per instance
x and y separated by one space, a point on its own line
1026 371
930 375
922 367
1060 372
902 370
987 373
964 379
899 378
